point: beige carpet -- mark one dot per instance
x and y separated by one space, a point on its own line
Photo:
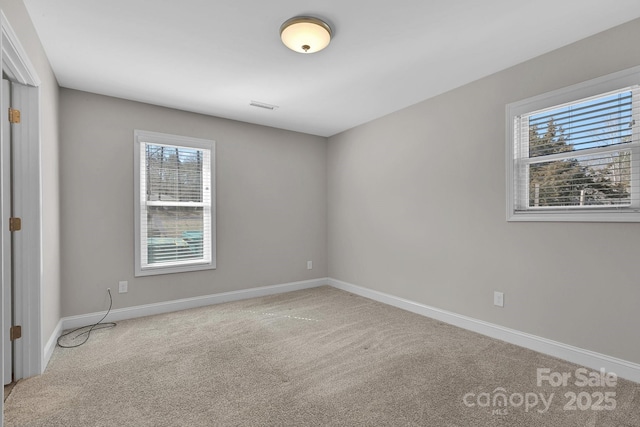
314 357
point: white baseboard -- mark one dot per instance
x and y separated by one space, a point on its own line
186 303
51 345
622 368
169 306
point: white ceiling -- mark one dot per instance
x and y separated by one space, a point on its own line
214 56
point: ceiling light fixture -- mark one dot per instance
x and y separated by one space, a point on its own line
305 34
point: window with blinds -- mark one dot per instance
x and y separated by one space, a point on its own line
175 204
578 159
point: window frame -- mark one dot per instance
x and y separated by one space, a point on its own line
570 94
142 137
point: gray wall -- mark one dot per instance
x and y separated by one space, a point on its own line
417 209
400 219
20 21
271 203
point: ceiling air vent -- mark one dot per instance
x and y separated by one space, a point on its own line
263 105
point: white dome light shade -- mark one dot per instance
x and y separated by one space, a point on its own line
305 34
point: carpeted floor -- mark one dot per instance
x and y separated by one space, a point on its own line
314 357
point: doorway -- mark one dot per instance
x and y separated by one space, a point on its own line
21 262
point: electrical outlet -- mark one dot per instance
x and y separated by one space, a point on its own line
309 265
498 299
123 286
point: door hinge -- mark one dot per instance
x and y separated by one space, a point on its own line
15 332
15 224
14 115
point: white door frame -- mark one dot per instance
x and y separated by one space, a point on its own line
27 185
5 248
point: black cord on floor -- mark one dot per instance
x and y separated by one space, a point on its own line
93 327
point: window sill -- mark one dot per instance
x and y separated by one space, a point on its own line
572 216
152 271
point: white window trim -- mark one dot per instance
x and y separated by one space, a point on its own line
600 85
141 136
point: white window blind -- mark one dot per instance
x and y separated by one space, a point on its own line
577 159
175 198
